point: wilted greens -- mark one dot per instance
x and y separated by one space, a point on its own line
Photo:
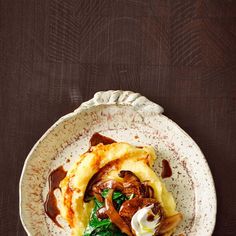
105 227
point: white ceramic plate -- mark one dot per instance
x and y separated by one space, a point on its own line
123 116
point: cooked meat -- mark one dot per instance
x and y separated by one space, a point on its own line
109 184
133 185
130 207
146 190
101 213
114 215
98 177
169 223
129 176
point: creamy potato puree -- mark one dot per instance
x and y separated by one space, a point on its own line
123 156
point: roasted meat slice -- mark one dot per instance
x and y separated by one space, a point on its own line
114 215
133 185
130 207
169 223
129 176
109 184
98 178
101 213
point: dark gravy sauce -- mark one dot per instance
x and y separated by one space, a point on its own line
57 175
166 169
98 138
50 204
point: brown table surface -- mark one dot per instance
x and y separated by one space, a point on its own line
56 54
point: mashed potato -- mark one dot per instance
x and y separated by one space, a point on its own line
120 156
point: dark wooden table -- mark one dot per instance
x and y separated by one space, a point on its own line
56 54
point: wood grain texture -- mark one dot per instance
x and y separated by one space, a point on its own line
56 54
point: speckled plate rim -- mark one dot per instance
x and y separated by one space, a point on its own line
117 97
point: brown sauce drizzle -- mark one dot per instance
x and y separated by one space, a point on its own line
166 169
50 205
57 175
98 138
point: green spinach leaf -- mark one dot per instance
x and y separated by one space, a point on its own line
118 198
105 227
